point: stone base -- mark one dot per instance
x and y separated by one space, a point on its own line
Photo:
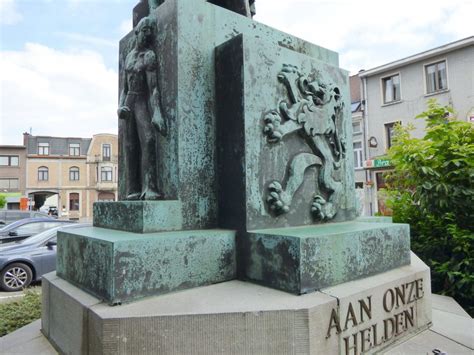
237 317
305 259
120 267
139 216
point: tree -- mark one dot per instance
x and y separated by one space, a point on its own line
432 189
3 201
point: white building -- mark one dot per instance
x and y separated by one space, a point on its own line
397 92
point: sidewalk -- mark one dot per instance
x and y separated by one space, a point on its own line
452 332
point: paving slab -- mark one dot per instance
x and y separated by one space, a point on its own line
27 340
426 342
457 328
448 304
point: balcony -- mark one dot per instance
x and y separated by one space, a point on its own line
96 159
106 186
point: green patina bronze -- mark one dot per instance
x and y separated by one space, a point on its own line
139 216
120 266
187 34
305 259
282 125
231 133
375 219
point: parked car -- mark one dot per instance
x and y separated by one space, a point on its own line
27 260
53 211
27 227
9 216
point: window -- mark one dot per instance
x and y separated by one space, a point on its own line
106 152
389 131
30 229
74 202
106 196
52 240
8 184
380 178
9 160
106 174
355 106
43 148
436 77
49 225
357 127
391 88
74 173
74 149
358 154
43 173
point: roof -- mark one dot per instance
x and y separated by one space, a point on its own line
58 145
12 147
465 42
105 135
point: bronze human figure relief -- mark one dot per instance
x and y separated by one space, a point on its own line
315 110
140 108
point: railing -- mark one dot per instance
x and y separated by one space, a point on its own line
100 159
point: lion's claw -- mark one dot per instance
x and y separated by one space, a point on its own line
272 127
322 209
274 199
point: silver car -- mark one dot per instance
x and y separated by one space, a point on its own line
27 260
10 216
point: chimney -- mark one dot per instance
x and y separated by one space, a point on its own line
25 138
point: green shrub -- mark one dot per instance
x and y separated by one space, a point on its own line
14 315
432 189
3 201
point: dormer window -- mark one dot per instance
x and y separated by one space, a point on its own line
43 148
74 149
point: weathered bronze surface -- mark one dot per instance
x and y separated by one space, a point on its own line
316 110
242 7
140 106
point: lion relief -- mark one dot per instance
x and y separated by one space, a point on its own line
315 110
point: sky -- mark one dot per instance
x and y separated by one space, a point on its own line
58 58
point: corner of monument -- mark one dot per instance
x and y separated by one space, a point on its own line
235 162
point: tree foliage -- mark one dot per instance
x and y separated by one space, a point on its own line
432 189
